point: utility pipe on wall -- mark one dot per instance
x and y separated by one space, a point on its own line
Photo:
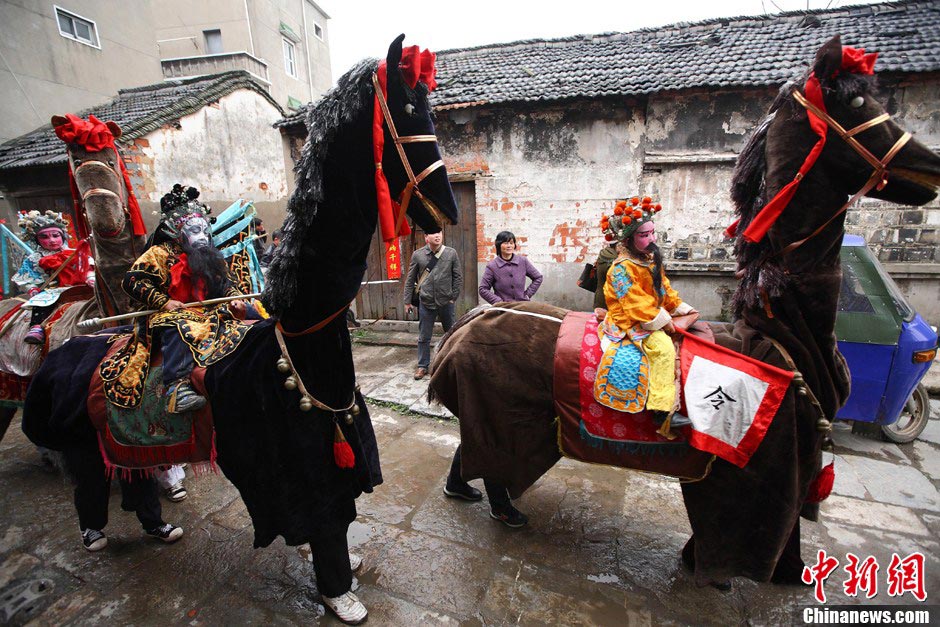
251 41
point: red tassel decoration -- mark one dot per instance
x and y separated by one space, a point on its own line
821 486
342 452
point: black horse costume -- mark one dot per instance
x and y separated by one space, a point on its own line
273 446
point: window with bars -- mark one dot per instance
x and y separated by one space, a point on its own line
290 65
75 27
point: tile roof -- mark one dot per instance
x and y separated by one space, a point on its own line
138 111
727 52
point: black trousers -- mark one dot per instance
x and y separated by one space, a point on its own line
496 493
40 314
178 360
330 555
92 489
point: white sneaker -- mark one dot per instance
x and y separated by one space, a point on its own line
355 562
347 608
95 540
176 492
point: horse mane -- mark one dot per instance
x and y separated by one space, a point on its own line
748 193
343 104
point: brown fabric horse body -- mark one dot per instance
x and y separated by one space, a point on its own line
745 521
104 198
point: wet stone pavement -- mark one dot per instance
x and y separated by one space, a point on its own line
601 547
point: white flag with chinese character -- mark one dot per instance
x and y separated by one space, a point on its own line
730 398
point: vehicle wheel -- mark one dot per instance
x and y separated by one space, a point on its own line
912 420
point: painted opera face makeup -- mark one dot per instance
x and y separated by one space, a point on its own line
196 233
644 236
50 238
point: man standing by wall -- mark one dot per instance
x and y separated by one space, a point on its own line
433 286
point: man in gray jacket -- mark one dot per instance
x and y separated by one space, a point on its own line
435 273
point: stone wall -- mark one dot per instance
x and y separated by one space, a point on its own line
548 171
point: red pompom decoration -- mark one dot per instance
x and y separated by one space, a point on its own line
637 214
618 210
622 204
821 486
634 201
647 200
627 220
609 237
658 207
342 453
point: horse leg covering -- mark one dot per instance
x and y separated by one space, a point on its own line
330 555
139 495
92 486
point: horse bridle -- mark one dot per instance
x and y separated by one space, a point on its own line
411 187
100 190
878 178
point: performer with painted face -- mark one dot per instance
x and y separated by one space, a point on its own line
45 273
181 267
637 370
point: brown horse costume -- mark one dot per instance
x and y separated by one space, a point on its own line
745 521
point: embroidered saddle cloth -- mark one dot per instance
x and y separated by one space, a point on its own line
590 432
145 437
730 398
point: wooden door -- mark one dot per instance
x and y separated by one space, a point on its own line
384 300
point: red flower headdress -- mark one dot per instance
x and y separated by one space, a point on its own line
627 218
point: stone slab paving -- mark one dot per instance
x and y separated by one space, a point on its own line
894 483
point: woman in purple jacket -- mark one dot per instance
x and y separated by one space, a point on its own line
505 276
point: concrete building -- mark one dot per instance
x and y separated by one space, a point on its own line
69 55
542 136
283 43
213 132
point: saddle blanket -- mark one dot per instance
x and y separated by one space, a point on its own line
731 400
590 432
146 437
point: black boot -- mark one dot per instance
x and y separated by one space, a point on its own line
456 487
182 398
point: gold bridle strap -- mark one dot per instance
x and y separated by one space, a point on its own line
412 186
878 178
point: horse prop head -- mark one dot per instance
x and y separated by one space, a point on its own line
825 140
411 157
95 166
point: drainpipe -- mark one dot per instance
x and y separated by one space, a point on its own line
251 41
303 16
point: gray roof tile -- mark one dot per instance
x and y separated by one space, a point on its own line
726 52
138 111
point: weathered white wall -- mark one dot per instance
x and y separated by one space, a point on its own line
229 150
548 172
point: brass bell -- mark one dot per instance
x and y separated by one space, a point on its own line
306 404
283 365
348 418
823 425
354 410
290 383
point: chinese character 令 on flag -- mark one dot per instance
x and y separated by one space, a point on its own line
730 398
393 259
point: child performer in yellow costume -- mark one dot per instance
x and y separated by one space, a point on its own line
637 370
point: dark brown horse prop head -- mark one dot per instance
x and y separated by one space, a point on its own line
826 141
411 158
